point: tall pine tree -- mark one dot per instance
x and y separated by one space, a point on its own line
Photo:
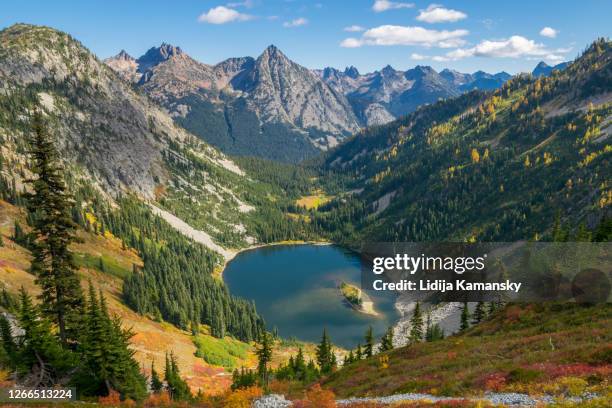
416 324
109 363
264 356
49 206
325 354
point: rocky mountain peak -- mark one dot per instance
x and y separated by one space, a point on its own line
272 52
329 73
351 72
123 56
388 70
155 55
419 72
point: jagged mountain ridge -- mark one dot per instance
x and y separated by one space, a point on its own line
269 106
109 135
382 96
275 108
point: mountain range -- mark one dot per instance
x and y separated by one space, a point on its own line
160 210
274 108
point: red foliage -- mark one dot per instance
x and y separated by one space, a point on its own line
112 399
574 370
492 381
513 313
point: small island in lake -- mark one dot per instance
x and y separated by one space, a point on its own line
357 298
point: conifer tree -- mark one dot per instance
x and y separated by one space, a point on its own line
368 350
465 317
40 354
299 365
49 206
359 353
386 342
264 356
156 384
416 324
479 313
325 354
8 342
176 386
433 332
109 363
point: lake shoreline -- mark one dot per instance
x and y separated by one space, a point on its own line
232 253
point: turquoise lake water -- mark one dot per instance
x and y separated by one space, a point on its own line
295 289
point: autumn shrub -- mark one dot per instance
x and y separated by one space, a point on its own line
317 397
161 399
493 382
113 399
570 386
241 398
290 389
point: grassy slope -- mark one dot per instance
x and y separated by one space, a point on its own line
152 339
534 349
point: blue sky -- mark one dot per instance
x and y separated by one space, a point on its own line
465 35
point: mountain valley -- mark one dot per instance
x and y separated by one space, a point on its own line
175 166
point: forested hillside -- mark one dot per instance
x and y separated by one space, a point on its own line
484 166
121 154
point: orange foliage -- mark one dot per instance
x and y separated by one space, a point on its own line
242 398
157 400
317 397
112 399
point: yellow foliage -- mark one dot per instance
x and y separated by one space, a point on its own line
383 362
527 162
485 156
381 175
605 199
547 158
475 156
571 386
242 398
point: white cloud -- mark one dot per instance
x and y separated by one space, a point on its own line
514 47
401 35
440 58
435 13
245 3
351 43
384 5
222 15
549 32
354 29
301 21
418 57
